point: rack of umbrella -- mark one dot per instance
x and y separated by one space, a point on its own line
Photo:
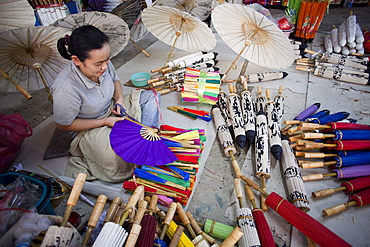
321 139
187 74
350 69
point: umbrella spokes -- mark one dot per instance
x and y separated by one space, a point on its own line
31 54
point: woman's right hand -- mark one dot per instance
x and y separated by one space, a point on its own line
110 121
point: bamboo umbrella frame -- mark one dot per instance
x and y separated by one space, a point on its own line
245 220
346 172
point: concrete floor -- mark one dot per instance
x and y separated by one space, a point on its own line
213 197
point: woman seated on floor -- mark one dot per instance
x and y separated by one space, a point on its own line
88 97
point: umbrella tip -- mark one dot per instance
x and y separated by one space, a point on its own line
276 151
285 74
318 105
251 134
241 140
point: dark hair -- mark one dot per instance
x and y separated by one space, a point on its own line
82 40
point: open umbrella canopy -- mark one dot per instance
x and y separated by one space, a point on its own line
16 13
198 8
178 29
253 36
29 55
114 27
129 11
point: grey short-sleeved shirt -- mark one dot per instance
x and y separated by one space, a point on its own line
76 96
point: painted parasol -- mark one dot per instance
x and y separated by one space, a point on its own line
249 112
114 27
198 8
178 29
353 158
16 13
252 36
29 57
236 115
139 144
345 172
273 127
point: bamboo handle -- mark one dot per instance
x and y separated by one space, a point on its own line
98 208
167 220
176 236
233 237
338 208
119 212
238 188
245 85
249 192
19 87
131 203
259 90
312 165
113 209
156 70
292 122
280 89
268 95
153 203
325 192
235 165
312 177
73 197
231 88
316 135
136 227
318 155
197 229
185 220
263 204
170 213
314 126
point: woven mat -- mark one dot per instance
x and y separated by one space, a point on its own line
59 145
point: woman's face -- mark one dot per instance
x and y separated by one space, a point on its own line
94 66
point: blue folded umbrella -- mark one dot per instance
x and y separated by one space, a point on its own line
331 118
318 115
354 159
351 134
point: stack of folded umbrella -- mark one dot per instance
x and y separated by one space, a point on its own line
174 180
171 76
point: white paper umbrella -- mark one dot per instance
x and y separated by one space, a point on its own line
178 29
30 57
16 13
198 8
114 27
253 36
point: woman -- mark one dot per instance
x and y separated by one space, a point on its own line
88 96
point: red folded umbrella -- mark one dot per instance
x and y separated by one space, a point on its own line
359 199
350 145
350 186
309 226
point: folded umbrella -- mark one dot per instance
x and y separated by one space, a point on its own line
136 225
260 100
345 172
274 135
249 113
237 117
335 117
354 158
336 126
223 104
148 224
349 186
279 101
309 226
340 135
359 199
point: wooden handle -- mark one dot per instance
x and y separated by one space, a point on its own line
315 145
185 220
268 96
98 208
231 88
113 209
235 165
176 236
181 212
134 235
194 223
76 189
135 197
313 136
119 212
280 89
337 208
155 80
238 188
312 177
233 237
324 192
249 192
141 211
153 203
308 165
292 122
318 155
170 213
156 70
19 87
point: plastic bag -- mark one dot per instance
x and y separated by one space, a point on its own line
13 130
